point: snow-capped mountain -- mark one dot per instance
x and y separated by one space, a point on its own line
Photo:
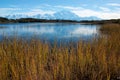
63 15
66 15
17 16
45 16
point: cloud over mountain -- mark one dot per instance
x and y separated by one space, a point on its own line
62 15
63 12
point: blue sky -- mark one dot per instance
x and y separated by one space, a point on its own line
105 9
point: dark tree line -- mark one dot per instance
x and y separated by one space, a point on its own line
3 20
101 21
29 20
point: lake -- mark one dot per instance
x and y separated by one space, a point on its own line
49 31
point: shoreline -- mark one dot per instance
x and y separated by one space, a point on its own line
35 20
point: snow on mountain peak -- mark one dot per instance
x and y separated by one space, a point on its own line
67 15
64 15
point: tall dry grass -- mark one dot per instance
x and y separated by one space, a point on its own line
34 60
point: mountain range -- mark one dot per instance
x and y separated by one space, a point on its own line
62 15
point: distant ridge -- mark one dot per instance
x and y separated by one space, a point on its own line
29 20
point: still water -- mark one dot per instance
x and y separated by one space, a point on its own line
49 31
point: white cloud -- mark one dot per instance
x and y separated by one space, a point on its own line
8 9
114 4
25 11
99 14
70 7
102 12
85 13
104 9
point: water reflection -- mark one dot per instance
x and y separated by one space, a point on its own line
49 31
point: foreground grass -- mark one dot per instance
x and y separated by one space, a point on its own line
99 60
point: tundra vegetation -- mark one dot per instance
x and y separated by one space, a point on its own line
34 60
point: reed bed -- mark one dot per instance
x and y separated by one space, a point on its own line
34 60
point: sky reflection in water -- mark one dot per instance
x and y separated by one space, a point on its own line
49 31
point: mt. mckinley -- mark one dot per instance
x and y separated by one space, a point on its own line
62 15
